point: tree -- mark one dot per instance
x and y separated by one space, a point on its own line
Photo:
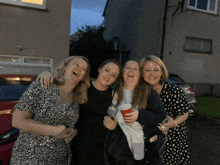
91 44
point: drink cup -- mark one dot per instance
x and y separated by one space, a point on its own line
125 108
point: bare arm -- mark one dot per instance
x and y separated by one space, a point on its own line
173 122
45 79
22 120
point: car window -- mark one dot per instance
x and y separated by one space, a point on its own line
175 80
12 89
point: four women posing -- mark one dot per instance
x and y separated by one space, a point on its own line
92 137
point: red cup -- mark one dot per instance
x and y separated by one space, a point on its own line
125 108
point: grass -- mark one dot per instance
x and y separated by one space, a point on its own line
209 106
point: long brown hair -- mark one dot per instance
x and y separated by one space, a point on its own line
140 94
80 91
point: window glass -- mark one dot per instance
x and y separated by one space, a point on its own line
202 4
9 59
192 2
11 90
37 61
28 3
212 5
39 2
198 45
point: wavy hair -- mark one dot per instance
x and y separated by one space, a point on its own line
140 94
80 95
156 59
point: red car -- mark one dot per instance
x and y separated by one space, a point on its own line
11 89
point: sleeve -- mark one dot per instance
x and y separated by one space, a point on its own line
154 113
28 100
179 102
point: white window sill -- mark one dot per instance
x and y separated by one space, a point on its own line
202 11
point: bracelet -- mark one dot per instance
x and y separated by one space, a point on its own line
176 123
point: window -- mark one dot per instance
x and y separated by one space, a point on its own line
209 6
23 64
198 45
41 4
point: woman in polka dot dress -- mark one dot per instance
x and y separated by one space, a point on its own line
155 73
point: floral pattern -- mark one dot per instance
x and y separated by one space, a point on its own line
46 107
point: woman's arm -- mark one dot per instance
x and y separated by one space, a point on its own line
180 108
22 120
45 79
154 112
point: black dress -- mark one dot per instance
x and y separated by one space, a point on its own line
87 146
175 103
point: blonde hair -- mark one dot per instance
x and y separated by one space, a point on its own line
80 91
140 94
156 59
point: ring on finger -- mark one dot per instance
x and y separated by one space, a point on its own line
162 127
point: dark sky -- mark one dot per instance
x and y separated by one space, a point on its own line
87 12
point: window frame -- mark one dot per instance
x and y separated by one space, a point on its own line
22 63
208 5
24 4
198 51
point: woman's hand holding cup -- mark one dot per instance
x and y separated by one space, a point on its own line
130 116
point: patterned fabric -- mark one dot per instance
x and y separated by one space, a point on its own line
46 107
175 103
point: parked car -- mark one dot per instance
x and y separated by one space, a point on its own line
189 91
11 89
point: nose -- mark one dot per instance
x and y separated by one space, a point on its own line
109 74
151 72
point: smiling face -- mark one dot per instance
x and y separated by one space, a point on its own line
131 74
75 70
152 73
108 74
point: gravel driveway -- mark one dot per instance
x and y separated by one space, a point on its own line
204 140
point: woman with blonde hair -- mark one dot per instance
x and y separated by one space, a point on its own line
87 146
46 118
174 100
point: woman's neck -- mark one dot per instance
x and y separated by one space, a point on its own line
129 87
157 88
99 86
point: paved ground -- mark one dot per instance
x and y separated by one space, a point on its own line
204 140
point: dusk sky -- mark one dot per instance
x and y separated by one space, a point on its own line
86 12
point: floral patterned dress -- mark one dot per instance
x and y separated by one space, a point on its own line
46 107
175 103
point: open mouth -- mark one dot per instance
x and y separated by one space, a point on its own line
130 76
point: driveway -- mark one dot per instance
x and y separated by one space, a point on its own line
204 140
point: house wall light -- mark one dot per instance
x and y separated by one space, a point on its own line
19 48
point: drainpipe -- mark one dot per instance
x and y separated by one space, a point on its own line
164 29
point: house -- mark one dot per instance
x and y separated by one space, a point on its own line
75 36
183 33
34 35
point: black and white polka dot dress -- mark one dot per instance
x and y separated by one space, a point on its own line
175 103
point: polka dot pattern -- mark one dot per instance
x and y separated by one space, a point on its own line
175 103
